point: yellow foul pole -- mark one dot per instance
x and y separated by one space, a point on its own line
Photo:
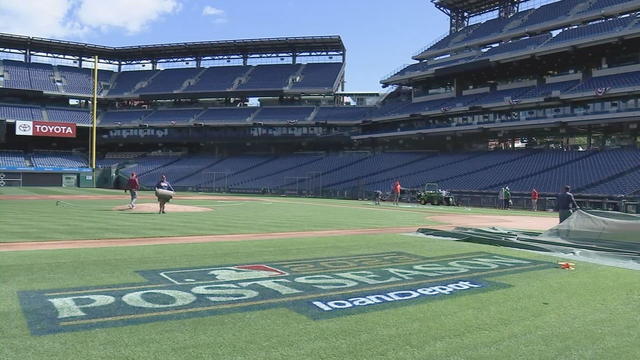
94 117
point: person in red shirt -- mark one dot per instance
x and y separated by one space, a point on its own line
396 192
133 185
534 199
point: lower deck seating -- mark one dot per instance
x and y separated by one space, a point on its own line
59 159
601 172
12 158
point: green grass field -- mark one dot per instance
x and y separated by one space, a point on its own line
547 313
229 217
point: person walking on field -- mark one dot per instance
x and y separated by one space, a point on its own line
377 195
133 185
534 199
566 204
163 184
507 198
396 192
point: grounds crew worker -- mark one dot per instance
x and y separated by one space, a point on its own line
535 195
395 189
133 185
565 203
164 185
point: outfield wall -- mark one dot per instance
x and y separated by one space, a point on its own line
83 178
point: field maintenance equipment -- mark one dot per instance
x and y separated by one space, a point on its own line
164 195
433 195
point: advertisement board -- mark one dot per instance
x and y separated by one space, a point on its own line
45 128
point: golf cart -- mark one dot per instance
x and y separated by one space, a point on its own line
434 196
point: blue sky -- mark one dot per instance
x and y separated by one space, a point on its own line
380 36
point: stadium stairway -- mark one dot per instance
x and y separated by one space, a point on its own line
547 170
191 81
585 188
243 79
423 170
253 116
57 76
380 171
488 167
344 166
269 174
178 158
296 75
267 161
198 170
144 83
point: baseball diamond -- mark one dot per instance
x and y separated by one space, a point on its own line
207 180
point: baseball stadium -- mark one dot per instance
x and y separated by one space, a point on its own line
230 199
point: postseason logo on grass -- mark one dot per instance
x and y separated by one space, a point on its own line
318 288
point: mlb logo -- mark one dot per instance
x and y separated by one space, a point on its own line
222 274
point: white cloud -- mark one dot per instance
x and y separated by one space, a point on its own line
73 18
219 15
132 16
40 18
211 11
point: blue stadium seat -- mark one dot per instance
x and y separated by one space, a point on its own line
591 30
77 116
42 77
80 81
12 158
169 80
146 164
547 90
431 65
454 38
547 170
172 116
123 117
550 12
517 45
217 78
219 173
126 81
58 159
283 115
609 82
495 27
17 75
339 114
20 112
319 76
270 77
601 4
234 115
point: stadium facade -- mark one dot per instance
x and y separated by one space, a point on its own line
535 97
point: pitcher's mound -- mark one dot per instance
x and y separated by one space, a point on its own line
153 208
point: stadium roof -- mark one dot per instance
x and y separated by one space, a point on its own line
204 49
472 7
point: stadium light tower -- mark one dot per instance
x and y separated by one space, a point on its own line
460 11
508 8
